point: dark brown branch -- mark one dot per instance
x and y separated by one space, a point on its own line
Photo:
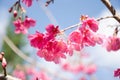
111 9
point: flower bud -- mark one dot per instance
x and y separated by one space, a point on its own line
15 13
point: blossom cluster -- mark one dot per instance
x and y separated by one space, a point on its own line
23 26
81 68
52 48
48 46
30 72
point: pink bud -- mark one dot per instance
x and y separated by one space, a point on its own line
15 13
4 63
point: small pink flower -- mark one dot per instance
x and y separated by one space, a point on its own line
19 74
23 26
90 69
27 2
36 40
112 43
19 27
28 22
91 23
52 30
76 36
117 73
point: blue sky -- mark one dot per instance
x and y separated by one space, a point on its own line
66 13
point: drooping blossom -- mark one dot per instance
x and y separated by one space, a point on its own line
53 51
23 26
112 43
37 75
85 35
117 73
19 74
48 46
27 2
90 69
74 69
37 40
91 23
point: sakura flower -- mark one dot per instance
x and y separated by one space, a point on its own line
36 40
90 69
52 30
23 26
53 51
91 23
112 43
117 73
27 2
19 74
37 75
76 37
28 22
19 27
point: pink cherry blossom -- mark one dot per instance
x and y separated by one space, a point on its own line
28 22
27 2
74 69
53 51
90 69
19 74
117 73
49 48
19 27
111 43
23 26
37 75
37 39
91 23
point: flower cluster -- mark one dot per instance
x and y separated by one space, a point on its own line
30 72
87 69
23 26
48 46
22 22
85 35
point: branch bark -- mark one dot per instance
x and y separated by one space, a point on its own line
111 9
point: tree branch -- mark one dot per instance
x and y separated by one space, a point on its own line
111 9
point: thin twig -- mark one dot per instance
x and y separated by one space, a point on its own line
104 18
70 27
111 9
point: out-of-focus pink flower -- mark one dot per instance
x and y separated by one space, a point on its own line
90 69
19 74
117 73
27 2
112 43
23 26
74 69
35 75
